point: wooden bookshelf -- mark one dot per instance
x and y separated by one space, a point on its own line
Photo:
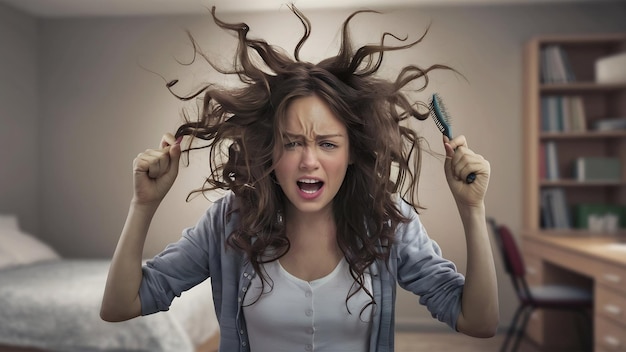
544 245
600 101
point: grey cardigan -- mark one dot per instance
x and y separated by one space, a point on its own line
415 264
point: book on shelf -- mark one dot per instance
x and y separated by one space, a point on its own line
597 169
563 114
610 124
555 65
555 213
611 69
549 167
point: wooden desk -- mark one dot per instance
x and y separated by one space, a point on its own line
585 261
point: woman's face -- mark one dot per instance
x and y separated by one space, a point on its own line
315 156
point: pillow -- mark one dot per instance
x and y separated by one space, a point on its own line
20 248
8 222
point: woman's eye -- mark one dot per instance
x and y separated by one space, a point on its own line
328 145
291 145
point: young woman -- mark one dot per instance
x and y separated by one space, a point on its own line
306 248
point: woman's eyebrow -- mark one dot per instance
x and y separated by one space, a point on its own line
322 136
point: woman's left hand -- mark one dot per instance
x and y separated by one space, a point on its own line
460 162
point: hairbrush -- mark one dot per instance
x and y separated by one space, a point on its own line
442 120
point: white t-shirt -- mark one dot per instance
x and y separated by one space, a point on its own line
297 315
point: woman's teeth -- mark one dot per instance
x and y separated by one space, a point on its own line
310 186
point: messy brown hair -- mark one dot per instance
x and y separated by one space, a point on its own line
246 122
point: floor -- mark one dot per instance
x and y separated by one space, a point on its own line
419 342
452 342
433 342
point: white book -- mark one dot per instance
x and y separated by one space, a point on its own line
611 69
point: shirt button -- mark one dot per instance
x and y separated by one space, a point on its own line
244 344
308 347
308 294
244 289
311 330
308 312
241 332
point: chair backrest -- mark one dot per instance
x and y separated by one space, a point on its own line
513 260
511 255
511 251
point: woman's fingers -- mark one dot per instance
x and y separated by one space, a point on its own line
167 140
156 170
464 162
158 162
152 162
461 160
456 142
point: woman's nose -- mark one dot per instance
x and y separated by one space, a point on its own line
309 158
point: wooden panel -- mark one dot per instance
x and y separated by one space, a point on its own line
552 329
610 304
611 276
562 258
609 336
531 131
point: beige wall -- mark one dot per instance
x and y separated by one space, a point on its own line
94 109
19 107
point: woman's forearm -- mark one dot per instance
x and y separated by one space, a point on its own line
480 313
121 294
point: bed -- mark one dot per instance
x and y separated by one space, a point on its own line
50 303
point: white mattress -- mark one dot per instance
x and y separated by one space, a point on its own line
55 305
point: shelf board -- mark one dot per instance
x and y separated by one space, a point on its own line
583 135
619 235
581 39
581 87
575 183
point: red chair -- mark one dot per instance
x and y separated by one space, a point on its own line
538 297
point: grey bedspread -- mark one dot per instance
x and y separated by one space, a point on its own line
55 306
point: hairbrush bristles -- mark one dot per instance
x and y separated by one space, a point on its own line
442 120
440 115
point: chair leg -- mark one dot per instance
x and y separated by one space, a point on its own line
522 329
512 328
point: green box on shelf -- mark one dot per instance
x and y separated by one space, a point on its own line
583 211
598 169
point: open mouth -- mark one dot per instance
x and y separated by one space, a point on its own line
310 186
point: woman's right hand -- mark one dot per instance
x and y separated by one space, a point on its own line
155 171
